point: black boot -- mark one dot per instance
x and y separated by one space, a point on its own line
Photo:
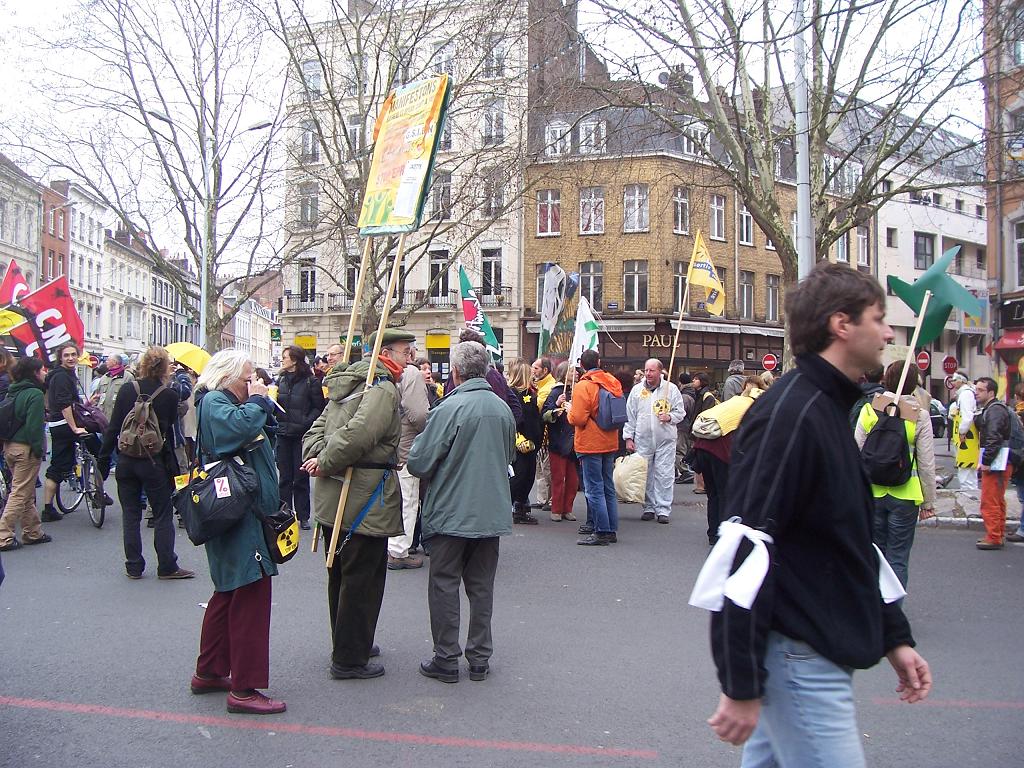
521 515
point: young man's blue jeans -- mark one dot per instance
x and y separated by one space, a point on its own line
895 522
807 715
600 490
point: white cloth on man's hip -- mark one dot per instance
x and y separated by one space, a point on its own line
714 583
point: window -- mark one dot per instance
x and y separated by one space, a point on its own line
771 313
717 224
82 233
768 244
494 193
441 196
592 211
88 276
746 296
494 123
634 285
557 139
592 281
490 260
307 279
91 231
494 58
593 137
49 267
549 209
863 247
924 250
311 78
60 225
443 61
679 271
403 66
51 221
681 210
890 237
958 205
74 224
694 141
111 320
353 132
746 223
843 248
979 211
310 143
979 256
439 261
636 208
309 204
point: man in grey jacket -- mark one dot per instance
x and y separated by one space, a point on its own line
734 384
465 452
413 407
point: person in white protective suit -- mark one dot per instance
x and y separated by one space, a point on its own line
654 408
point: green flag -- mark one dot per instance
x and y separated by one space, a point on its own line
475 317
947 293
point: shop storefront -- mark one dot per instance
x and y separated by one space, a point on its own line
1009 347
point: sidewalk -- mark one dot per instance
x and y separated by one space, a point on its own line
962 508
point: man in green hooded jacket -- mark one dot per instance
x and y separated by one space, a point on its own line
359 428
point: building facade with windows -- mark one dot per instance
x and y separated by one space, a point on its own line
472 216
21 218
89 218
619 203
126 292
53 240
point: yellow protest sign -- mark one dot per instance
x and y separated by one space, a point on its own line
405 135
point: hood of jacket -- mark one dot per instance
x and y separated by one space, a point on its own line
604 380
343 380
21 386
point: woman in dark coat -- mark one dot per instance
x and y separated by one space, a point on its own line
565 482
531 432
301 396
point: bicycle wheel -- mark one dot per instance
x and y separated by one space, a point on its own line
5 483
94 493
71 489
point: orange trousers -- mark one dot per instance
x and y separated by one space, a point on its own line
993 504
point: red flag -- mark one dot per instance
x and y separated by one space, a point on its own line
53 320
14 285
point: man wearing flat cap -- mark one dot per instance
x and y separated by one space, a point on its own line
359 428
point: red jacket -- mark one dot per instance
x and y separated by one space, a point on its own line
590 438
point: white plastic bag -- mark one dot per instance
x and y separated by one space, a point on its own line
630 478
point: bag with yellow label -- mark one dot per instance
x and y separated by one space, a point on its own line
216 498
281 532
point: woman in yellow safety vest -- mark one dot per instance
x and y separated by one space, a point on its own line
898 508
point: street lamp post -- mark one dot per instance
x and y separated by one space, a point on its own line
210 156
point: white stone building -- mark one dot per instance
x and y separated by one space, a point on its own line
20 220
473 213
126 286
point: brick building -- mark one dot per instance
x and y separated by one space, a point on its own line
53 241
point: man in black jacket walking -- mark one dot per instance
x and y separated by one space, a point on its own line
817 599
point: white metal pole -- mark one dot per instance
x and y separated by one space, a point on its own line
208 149
804 225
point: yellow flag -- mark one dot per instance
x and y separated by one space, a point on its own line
702 272
9 319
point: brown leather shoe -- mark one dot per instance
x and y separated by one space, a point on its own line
986 544
210 684
255 704
181 573
400 563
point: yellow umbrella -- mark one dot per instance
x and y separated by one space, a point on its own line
189 354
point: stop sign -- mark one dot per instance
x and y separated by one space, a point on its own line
949 365
769 362
923 360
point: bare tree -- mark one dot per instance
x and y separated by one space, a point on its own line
342 65
166 111
884 74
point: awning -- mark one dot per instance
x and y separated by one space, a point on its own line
754 330
1011 340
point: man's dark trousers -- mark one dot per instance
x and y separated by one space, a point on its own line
355 591
472 562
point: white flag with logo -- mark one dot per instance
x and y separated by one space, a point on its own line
587 329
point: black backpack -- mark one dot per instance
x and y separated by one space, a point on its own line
886 452
9 423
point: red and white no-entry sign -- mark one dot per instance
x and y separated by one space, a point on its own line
949 365
923 360
769 362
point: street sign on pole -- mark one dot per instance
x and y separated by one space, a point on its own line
949 365
949 383
924 360
769 362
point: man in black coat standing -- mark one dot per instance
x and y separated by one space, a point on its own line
817 599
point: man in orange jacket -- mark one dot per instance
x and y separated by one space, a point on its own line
596 448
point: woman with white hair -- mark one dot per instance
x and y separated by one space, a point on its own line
234 649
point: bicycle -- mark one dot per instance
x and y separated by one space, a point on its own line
85 481
5 481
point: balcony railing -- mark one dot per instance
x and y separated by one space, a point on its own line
304 302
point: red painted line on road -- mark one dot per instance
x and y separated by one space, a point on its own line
244 724
955 703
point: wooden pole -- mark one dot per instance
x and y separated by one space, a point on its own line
913 344
679 325
385 311
364 267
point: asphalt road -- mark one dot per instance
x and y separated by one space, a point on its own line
598 661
